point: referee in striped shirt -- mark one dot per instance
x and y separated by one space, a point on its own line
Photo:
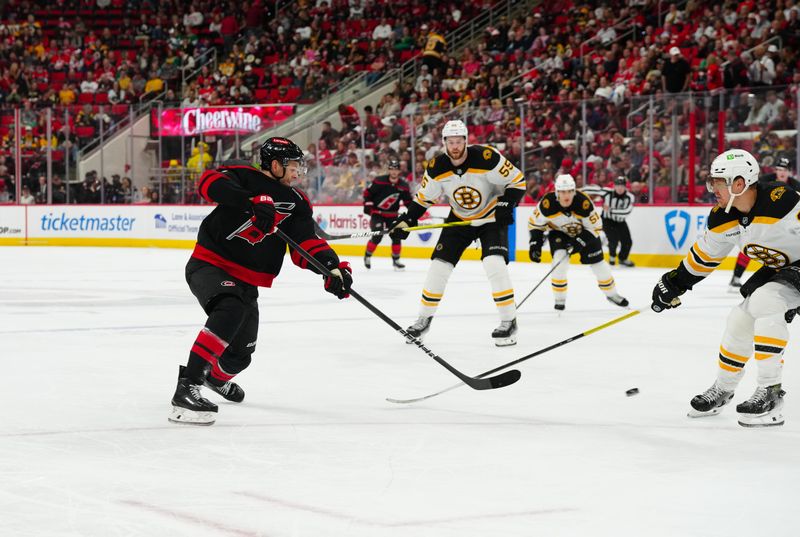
617 205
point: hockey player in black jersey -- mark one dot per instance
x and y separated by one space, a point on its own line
382 202
237 252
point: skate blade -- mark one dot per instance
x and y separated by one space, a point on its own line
697 414
505 341
773 418
191 417
399 269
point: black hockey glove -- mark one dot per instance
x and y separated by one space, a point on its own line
396 227
790 314
667 291
340 280
504 211
535 249
263 214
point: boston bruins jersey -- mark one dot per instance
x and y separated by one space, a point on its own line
580 215
769 233
471 188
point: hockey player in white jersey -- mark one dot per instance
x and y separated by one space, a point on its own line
763 221
574 228
478 182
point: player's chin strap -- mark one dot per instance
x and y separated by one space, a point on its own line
732 195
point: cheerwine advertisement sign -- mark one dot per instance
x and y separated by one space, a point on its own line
217 120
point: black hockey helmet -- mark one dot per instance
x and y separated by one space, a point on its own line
393 164
281 149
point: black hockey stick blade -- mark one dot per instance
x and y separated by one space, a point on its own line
505 379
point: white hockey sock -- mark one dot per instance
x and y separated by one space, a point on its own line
767 305
433 290
558 280
605 281
502 290
735 348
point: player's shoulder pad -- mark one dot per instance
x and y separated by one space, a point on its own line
302 198
776 199
582 204
482 157
440 164
549 205
719 220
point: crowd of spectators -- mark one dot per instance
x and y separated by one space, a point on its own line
740 57
606 57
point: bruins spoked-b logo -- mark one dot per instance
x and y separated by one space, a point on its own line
767 256
467 197
573 229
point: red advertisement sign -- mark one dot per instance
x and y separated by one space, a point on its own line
217 120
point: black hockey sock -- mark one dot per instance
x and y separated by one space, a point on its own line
738 270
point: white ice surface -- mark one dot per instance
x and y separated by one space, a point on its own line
91 343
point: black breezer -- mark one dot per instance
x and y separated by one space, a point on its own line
381 223
232 309
587 244
454 240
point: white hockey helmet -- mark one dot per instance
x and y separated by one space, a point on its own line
454 127
564 183
735 163
730 165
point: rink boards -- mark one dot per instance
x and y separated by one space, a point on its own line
661 234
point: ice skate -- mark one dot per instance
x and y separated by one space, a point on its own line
710 402
763 409
505 335
626 263
368 261
227 389
612 260
419 328
188 404
398 266
620 301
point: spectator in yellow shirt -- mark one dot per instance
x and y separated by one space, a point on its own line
67 95
154 84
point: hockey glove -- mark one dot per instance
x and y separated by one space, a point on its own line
397 227
666 292
535 251
263 214
790 315
504 212
340 280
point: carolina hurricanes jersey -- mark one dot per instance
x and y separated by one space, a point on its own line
227 239
382 198
580 215
472 187
769 233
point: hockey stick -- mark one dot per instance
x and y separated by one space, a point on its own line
521 302
322 234
499 381
628 315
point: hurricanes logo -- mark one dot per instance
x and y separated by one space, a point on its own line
388 201
776 194
252 234
572 229
467 197
767 256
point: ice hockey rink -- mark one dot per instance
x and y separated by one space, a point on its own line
92 339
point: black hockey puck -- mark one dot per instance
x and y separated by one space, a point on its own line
632 392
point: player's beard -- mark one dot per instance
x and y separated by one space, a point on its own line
459 155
